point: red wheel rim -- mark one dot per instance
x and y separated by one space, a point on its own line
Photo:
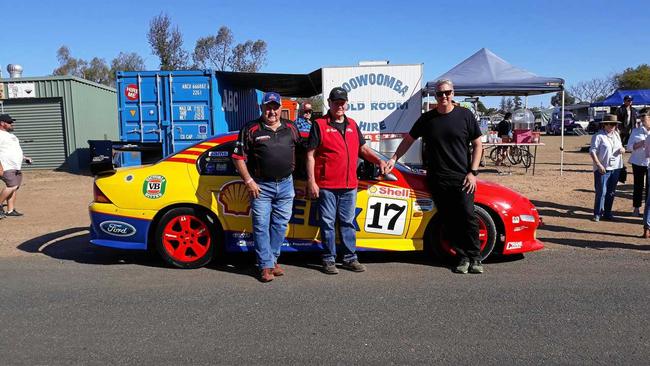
186 238
482 238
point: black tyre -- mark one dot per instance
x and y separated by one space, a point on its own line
186 238
443 249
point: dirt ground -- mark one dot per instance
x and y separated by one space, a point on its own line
55 204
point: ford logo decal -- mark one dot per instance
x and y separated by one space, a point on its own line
117 228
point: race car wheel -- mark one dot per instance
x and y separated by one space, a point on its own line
487 235
185 238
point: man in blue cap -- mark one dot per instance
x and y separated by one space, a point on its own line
265 158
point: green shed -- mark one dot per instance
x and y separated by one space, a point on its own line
57 115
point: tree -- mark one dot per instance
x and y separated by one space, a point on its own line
248 56
556 100
637 78
68 65
214 50
96 70
509 104
518 104
502 104
593 90
167 43
125 62
481 107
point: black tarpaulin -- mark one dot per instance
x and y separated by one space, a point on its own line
288 85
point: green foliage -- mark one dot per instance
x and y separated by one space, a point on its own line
167 43
518 103
96 69
556 99
634 78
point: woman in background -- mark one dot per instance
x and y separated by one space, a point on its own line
645 121
639 161
606 152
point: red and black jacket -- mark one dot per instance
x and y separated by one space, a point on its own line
337 154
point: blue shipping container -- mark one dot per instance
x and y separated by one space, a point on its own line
176 109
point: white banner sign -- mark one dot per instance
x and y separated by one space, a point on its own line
21 90
382 99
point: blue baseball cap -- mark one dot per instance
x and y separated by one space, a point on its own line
271 97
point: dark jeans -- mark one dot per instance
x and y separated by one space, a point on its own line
456 210
640 185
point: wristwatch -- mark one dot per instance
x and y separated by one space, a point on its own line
474 172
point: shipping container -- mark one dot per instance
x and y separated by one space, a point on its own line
167 111
289 109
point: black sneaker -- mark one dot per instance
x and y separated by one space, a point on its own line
476 267
354 266
462 266
13 213
330 268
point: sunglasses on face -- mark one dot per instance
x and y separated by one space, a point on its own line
305 112
610 124
439 94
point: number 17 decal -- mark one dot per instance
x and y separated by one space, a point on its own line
385 216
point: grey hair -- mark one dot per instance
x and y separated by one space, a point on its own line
444 81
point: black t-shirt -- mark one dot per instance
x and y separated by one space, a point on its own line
269 154
315 138
446 140
504 127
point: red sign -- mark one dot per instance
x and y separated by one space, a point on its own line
132 92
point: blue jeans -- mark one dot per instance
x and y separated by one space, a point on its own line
605 185
646 209
271 214
339 203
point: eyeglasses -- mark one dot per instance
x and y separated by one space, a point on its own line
440 93
610 124
305 112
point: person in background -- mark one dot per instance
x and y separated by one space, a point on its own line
11 160
644 114
504 128
626 114
636 145
606 152
303 122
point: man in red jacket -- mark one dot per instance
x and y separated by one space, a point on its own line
335 144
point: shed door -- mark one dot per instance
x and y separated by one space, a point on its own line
39 127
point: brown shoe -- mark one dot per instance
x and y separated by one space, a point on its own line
646 233
278 271
266 275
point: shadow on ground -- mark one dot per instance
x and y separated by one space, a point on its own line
73 244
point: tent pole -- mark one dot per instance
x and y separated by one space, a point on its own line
562 140
526 102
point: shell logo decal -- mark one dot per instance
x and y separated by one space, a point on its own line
235 199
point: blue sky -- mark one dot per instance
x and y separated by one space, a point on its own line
575 40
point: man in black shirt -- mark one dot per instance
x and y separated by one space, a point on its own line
505 126
447 132
265 158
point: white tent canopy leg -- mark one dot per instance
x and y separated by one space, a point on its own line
562 134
